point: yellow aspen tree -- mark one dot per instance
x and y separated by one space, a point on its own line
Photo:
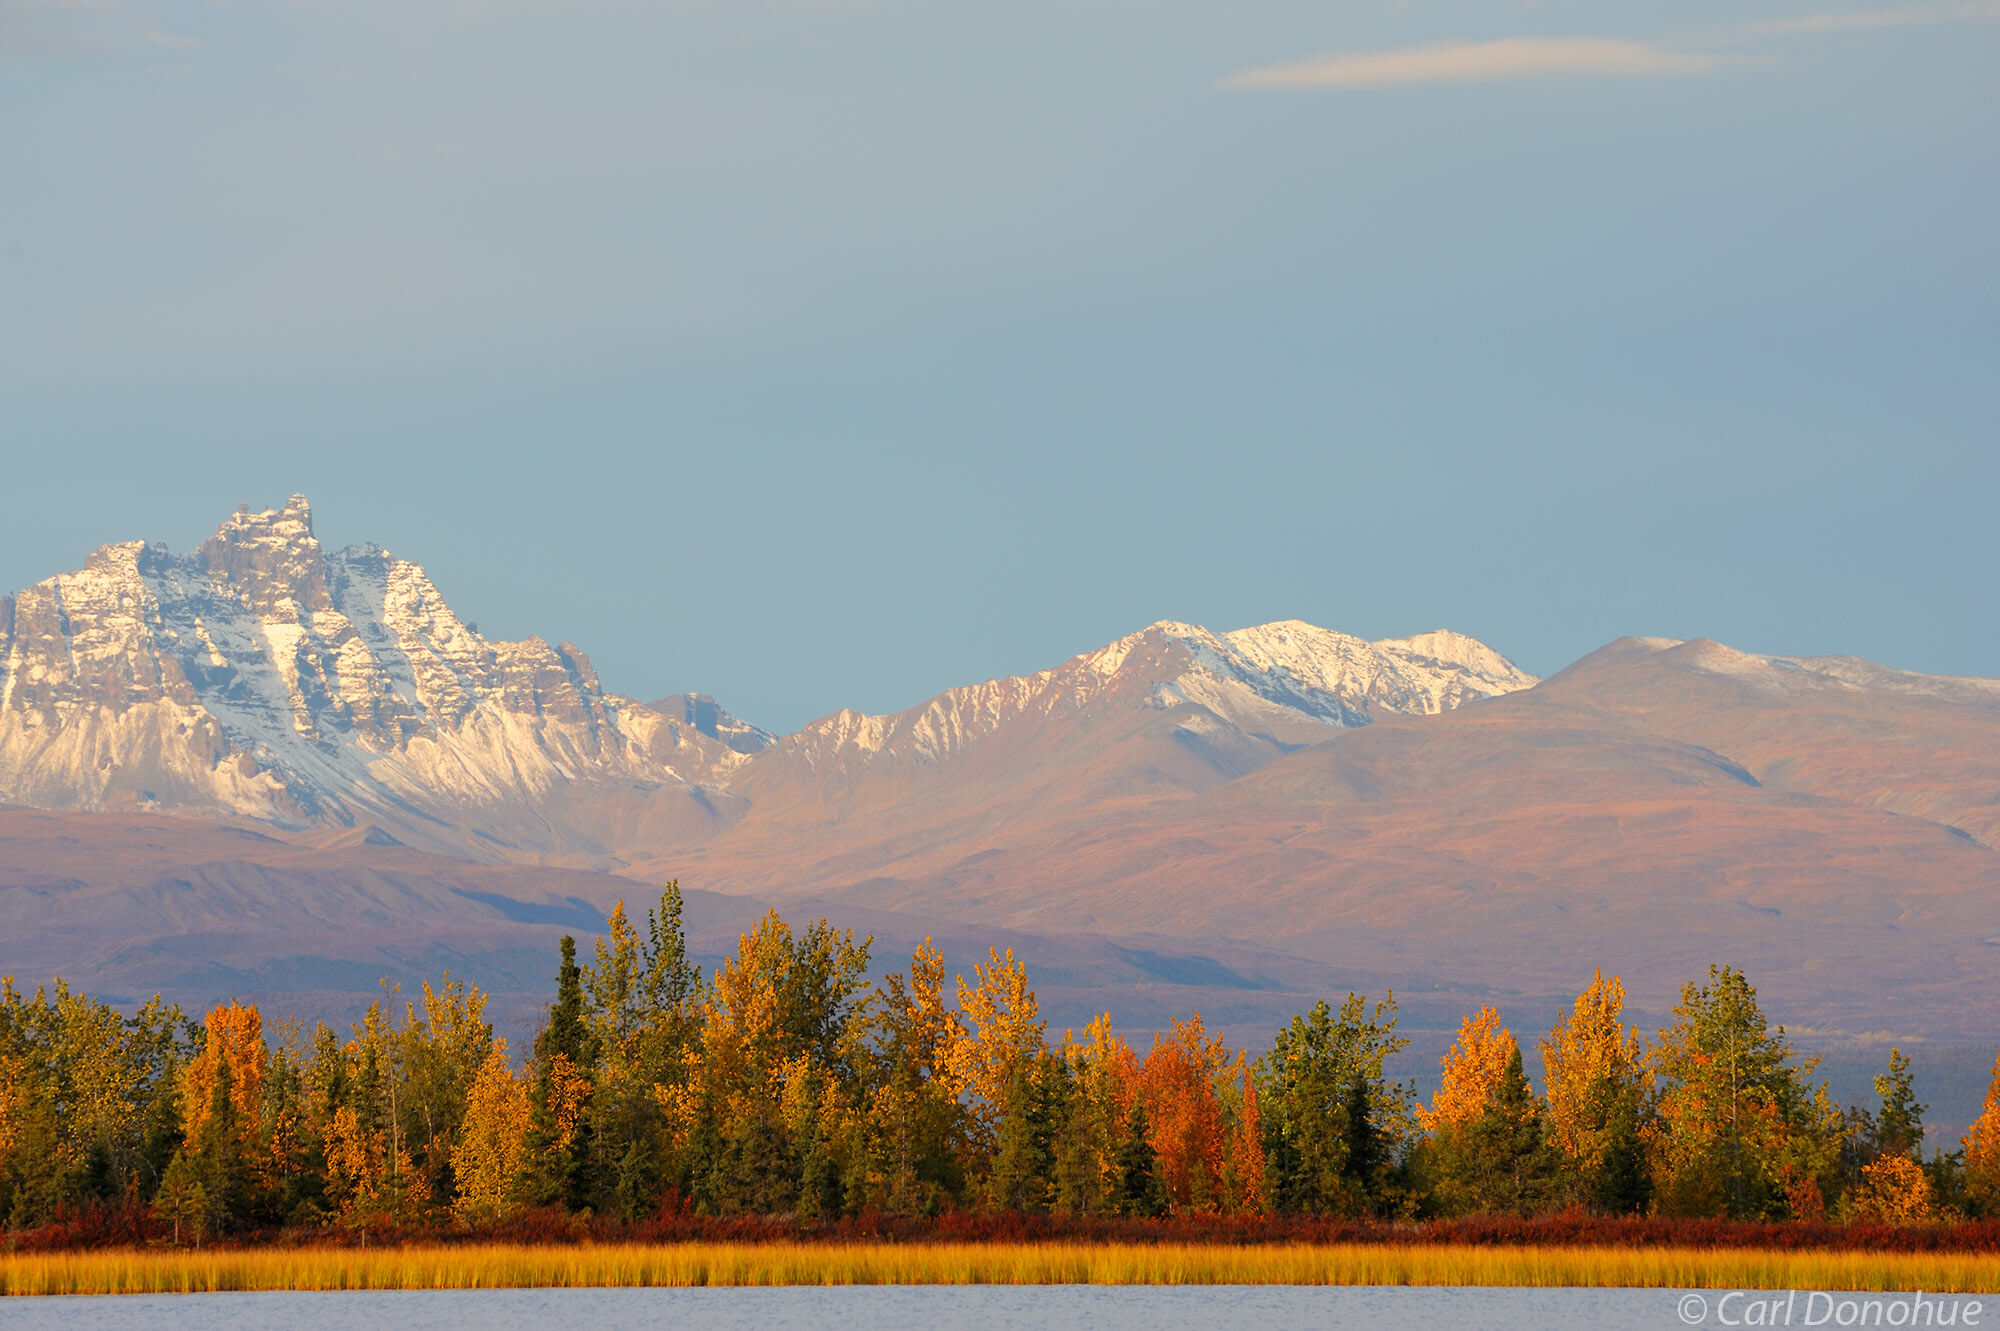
1006 1034
1597 1079
1488 1148
917 1118
101 1083
1473 1071
569 1091
1982 1151
1894 1191
1104 1071
354 1165
743 1037
13 1099
487 1157
936 1035
681 1103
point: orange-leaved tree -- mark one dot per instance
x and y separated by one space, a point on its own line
233 1049
1184 1114
1488 1145
1982 1153
1473 1071
1894 1190
222 1096
1247 1192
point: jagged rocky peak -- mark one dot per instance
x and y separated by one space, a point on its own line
262 675
269 558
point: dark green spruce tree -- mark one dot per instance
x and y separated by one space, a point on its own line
557 1172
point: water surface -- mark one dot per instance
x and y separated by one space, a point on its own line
879 1308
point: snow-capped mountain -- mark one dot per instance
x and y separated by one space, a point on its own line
1291 679
1416 803
263 677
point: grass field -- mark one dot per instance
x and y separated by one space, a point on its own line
136 1271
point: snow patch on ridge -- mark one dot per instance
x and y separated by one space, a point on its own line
262 677
1289 671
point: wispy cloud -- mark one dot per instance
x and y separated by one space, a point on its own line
1477 62
1872 20
1606 57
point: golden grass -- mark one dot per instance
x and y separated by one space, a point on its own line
500 1266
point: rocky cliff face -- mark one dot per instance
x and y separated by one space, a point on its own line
264 677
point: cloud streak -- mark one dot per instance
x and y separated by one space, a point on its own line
1873 20
1476 62
1513 58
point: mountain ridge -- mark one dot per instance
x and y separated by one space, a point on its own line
264 677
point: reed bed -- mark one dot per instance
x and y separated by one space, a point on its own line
509 1266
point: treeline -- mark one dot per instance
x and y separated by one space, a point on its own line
787 1085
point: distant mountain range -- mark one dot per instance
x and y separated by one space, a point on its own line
264 767
264 678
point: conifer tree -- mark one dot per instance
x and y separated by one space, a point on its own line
1024 1158
1333 1123
216 1150
558 1138
182 1199
1496 1159
1139 1192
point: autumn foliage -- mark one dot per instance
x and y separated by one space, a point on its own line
788 1092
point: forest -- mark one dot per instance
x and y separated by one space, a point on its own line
787 1084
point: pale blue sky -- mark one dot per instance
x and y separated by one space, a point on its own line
831 353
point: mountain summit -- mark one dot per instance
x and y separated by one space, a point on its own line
263 677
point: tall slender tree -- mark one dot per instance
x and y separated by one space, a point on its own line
1598 1084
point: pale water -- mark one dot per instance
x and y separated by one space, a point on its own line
894 1308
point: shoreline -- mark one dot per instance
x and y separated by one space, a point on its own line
521 1266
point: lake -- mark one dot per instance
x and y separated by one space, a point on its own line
883 1308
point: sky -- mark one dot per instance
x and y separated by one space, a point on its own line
824 353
